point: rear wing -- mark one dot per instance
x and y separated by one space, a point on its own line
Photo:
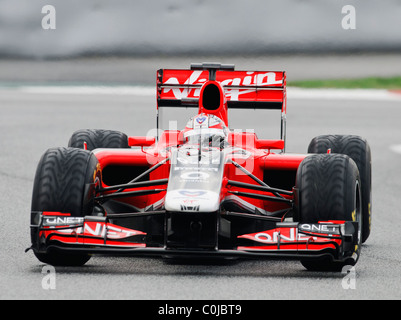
242 89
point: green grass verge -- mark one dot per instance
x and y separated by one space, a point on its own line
363 83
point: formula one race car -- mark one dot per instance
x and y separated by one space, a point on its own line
206 191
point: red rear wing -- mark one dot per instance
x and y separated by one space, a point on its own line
242 89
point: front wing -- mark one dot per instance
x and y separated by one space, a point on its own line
270 239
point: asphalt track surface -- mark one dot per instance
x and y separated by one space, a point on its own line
32 122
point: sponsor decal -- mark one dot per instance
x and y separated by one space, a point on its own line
113 231
177 168
273 235
49 221
291 234
328 229
200 120
194 175
190 202
188 193
96 229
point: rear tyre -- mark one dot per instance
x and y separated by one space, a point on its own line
98 138
328 188
358 150
64 182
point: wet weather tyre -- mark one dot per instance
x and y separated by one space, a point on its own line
98 138
358 150
64 182
328 188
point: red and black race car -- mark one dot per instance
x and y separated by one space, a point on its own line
206 191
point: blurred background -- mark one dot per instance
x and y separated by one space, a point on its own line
125 41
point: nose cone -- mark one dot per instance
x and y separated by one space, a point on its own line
192 200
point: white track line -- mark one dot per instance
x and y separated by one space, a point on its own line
396 148
292 92
90 90
343 94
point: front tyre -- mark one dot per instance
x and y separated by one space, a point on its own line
328 187
64 182
358 150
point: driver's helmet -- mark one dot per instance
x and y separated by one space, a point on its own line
206 130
